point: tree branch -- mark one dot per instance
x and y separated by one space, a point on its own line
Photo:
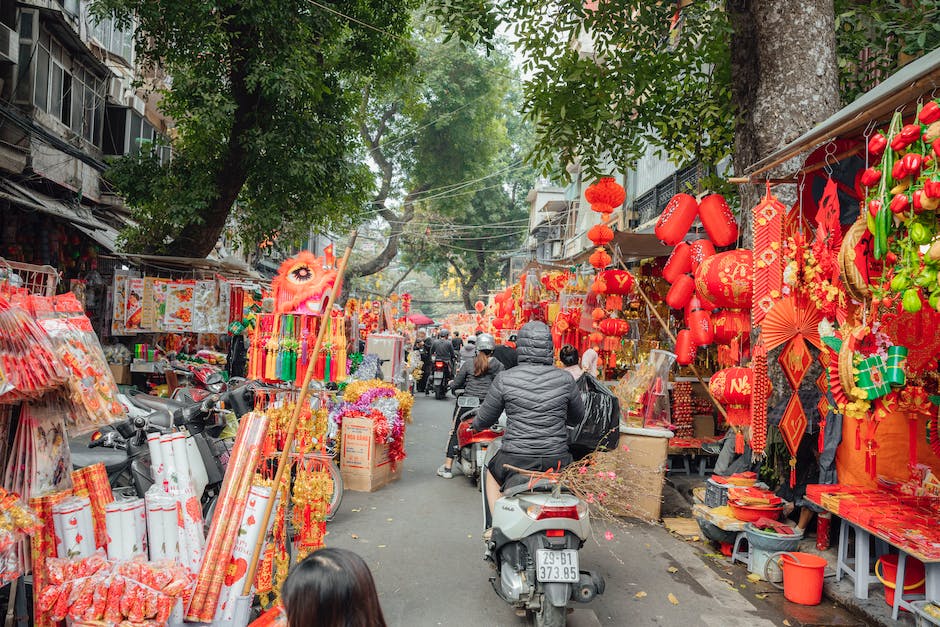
397 226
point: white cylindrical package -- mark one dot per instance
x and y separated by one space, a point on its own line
157 463
197 467
137 512
117 528
77 526
161 524
248 531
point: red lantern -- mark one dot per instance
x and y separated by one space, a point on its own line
613 302
679 262
676 218
727 278
685 348
731 324
603 208
718 220
606 191
701 249
600 234
600 259
479 306
614 327
618 281
599 286
732 388
596 338
700 324
598 314
680 292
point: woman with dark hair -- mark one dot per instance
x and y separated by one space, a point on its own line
474 379
331 588
568 355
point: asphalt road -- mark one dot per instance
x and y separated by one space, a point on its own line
421 538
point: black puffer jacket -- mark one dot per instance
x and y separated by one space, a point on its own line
539 399
473 385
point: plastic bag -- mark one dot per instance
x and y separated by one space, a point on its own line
600 427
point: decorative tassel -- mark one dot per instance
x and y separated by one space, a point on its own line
739 443
912 439
822 434
792 472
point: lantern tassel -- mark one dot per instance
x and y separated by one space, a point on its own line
912 439
739 443
822 435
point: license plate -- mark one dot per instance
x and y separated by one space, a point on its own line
557 566
438 376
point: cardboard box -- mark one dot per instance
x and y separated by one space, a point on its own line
122 374
364 463
703 426
642 465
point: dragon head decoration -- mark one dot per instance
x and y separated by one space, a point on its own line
301 284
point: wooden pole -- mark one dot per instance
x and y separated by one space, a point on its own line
284 460
665 326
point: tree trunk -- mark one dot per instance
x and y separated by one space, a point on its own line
785 79
469 281
198 239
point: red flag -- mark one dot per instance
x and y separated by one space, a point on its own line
329 259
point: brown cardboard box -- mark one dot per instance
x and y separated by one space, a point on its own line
704 426
643 466
122 374
364 462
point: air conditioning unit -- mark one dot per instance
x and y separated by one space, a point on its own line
136 104
115 91
9 45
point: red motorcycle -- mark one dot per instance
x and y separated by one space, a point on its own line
473 445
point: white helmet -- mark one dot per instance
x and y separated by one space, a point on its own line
486 342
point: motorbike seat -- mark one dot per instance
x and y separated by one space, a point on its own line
517 484
114 460
145 401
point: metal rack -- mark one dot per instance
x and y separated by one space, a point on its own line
39 280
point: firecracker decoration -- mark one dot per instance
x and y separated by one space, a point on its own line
311 494
682 409
759 400
768 255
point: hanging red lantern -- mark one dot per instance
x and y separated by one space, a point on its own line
479 306
606 191
600 234
599 286
700 324
602 208
596 337
679 262
676 219
727 278
618 281
600 259
701 249
731 324
681 291
685 348
718 220
613 302
598 314
732 388
615 327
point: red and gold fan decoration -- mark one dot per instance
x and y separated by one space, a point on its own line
790 318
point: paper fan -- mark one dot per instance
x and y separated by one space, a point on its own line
788 319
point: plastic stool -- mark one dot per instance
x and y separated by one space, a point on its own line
737 553
858 568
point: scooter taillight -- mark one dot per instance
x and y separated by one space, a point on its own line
555 533
439 364
548 511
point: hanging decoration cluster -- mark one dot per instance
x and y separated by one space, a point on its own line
604 196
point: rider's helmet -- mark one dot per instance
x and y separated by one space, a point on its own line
486 342
444 334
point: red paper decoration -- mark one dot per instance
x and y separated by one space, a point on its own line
731 324
613 302
681 292
600 234
614 327
599 286
700 324
676 219
727 278
602 207
479 306
598 314
795 360
617 281
759 396
685 348
606 191
679 262
700 250
792 427
718 220
600 259
596 337
732 388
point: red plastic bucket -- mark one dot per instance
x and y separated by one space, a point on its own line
802 577
886 569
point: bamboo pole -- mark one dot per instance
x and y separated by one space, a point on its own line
672 337
283 462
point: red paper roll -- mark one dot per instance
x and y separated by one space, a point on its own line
718 220
676 218
700 324
679 262
685 348
681 292
701 250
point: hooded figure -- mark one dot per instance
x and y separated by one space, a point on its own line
538 398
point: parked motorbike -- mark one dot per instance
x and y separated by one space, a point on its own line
440 375
538 527
472 444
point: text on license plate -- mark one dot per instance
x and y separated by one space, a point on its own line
560 566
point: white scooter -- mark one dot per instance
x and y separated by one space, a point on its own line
538 527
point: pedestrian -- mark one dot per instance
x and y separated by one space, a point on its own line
568 356
474 378
589 360
332 588
456 342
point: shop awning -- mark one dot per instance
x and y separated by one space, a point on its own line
900 91
419 319
73 213
229 268
630 246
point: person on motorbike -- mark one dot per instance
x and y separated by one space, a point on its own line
469 350
443 350
507 354
540 401
474 378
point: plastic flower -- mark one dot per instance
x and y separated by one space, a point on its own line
608 535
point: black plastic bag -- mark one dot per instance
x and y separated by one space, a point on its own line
600 427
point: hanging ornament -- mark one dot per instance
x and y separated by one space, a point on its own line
679 262
685 348
732 388
718 220
700 250
727 278
700 325
613 302
479 306
759 399
615 327
599 286
681 292
598 314
617 281
676 219
600 259
607 192
600 234
792 427
768 255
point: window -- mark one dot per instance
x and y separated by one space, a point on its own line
41 99
55 91
115 40
67 97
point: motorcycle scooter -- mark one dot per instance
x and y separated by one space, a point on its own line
538 528
472 444
440 375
